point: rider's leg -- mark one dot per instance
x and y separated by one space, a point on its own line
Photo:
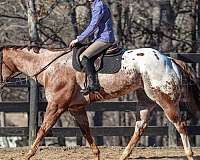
88 64
94 49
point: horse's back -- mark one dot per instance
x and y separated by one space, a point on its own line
148 60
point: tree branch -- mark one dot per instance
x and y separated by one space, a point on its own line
13 17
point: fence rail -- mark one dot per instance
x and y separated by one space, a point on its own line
127 106
34 106
96 131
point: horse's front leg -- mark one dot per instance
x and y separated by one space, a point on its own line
52 114
82 121
60 94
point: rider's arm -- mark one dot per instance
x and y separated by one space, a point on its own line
97 15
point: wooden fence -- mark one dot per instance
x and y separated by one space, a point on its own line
33 106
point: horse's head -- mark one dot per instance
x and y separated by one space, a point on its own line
7 67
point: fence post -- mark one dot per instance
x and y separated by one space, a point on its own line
33 115
3 124
172 135
197 138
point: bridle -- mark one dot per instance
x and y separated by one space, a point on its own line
12 75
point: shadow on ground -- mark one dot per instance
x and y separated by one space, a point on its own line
168 158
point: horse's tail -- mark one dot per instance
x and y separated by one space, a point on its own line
193 88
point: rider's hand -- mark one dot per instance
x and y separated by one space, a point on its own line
72 44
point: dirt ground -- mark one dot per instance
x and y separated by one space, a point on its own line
107 153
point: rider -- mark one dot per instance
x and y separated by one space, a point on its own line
101 28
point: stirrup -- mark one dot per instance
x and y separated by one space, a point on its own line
89 89
85 91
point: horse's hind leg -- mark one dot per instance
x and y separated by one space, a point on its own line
142 118
140 126
82 121
172 111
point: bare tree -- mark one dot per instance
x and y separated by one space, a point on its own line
33 22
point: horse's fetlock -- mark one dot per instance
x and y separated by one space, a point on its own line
96 152
95 149
189 153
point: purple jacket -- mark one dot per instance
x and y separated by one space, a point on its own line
101 26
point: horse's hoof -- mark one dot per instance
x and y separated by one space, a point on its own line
123 157
97 158
29 155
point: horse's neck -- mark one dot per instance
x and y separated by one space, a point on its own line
31 63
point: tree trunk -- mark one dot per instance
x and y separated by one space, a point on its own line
194 26
167 22
33 23
73 18
117 14
198 27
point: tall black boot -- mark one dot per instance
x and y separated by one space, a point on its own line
93 82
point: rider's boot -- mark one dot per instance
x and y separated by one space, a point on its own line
93 82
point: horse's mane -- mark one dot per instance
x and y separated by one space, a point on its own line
31 47
17 46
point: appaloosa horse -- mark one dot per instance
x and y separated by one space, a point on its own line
158 75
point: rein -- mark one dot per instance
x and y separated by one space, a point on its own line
45 67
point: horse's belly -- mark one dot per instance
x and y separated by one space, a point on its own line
119 84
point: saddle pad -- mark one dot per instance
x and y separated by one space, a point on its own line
109 64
